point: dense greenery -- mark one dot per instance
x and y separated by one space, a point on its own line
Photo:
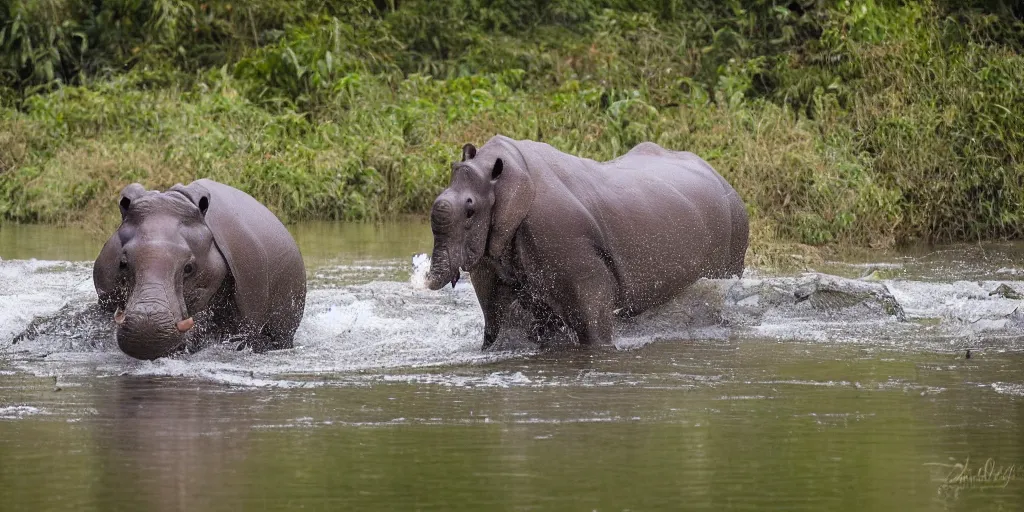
854 121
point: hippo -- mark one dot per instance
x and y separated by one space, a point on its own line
579 240
199 261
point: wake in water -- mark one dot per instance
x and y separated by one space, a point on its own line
379 315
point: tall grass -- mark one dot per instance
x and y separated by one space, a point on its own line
858 122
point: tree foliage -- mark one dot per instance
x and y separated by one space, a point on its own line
856 121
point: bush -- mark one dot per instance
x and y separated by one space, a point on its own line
868 122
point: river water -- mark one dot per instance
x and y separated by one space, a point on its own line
847 390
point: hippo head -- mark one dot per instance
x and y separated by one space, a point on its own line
160 268
461 217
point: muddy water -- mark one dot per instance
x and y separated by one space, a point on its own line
737 396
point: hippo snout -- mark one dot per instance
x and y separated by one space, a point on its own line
148 335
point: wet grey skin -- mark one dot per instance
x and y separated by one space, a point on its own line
196 262
580 240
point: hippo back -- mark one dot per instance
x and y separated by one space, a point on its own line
662 219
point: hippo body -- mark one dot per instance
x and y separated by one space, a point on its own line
199 261
583 239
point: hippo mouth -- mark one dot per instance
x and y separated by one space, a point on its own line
441 275
144 339
455 243
446 268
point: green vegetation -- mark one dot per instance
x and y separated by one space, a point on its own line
867 122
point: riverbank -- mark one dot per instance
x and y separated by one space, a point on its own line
856 124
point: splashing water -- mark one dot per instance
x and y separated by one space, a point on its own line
364 318
420 266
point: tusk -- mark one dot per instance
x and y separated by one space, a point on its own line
186 324
119 316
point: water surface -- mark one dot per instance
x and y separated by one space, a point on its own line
733 397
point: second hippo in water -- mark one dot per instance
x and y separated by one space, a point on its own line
195 261
583 239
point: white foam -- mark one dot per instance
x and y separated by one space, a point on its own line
420 266
14 412
497 379
31 288
351 325
889 266
1004 388
961 302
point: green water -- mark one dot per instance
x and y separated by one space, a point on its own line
319 241
737 424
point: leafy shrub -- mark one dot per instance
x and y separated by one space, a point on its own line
869 122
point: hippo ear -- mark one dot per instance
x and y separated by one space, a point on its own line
128 195
513 197
496 170
468 152
195 193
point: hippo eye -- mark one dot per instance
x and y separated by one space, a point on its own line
189 269
469 208
123 263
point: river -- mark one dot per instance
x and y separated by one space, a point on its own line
845 390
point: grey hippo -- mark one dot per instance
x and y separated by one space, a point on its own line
195 262
582 240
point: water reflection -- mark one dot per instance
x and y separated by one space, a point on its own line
748 426
166 448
